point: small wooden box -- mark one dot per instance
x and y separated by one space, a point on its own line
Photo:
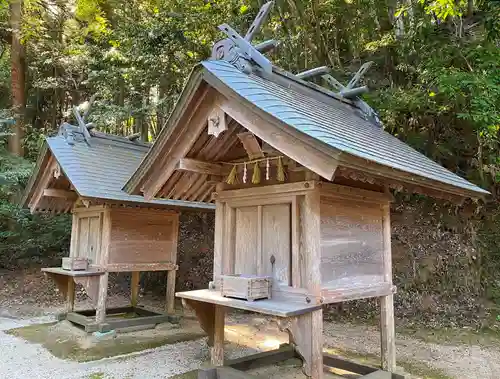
248 287
75 264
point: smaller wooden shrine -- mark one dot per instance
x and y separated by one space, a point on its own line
301 176
112 231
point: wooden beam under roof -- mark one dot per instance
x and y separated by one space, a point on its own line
201 167
63 194
251 145
309 152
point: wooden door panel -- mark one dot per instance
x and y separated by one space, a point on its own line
83 236
246 249
94 239
276 241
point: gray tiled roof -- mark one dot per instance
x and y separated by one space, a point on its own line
330 121
101 169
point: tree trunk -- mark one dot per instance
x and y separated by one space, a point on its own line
470 8
144 130
17 78
120 101
160 110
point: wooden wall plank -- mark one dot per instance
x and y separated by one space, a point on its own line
351 244
142 236
245 260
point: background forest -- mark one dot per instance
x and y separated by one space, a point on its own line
435 82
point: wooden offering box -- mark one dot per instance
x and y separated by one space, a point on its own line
248 287
75 264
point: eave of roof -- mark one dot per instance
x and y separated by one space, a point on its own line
100 170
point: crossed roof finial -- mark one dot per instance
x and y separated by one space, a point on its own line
239 50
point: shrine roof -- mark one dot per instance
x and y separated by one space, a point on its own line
338 126
99 169
335 123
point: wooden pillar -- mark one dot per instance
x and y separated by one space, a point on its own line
217 353
387 327
100 314
387 333
170 295
134 288
73 248
70 295
307 330
170 307
218 241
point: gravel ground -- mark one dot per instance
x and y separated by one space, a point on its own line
455 361
23 298
22 360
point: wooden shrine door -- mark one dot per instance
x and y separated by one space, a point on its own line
88 231
263 241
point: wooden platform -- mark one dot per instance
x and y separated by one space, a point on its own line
60 271
272 307
116 318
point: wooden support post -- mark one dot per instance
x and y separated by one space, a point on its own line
205 313
170 308
170 295
218 239
217 353
134 288
306 331
387 333
317 344
387 327
70 295
100 314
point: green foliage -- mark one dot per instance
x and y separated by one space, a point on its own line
25 238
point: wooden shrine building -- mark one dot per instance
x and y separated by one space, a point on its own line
301 176
112 231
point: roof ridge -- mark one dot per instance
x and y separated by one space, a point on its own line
119 139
